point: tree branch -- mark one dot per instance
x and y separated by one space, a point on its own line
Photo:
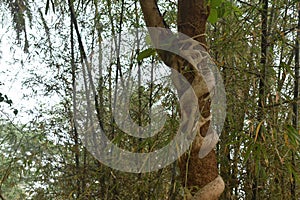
152 14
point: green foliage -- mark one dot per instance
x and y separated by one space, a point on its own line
43 158
146 53
220 9
293 135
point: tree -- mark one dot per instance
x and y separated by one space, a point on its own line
195 172
254 45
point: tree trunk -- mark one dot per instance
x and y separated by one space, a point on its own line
199 176
262 89
192 17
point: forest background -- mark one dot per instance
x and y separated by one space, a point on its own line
254 44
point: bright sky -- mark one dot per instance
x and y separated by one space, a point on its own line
15 67
12 74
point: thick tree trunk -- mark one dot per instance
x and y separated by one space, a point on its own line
192 17
199 176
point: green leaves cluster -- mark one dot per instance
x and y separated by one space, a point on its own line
219 9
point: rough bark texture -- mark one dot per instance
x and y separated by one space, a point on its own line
192 17
199 176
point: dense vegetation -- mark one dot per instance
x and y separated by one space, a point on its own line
255 45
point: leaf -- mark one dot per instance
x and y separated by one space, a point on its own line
145 54
213 17
221 11
257 130
293 135
215 3
286 139
148 39
9 102
250 146
16 111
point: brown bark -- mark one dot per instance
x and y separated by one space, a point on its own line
199 176
152 15
192 17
